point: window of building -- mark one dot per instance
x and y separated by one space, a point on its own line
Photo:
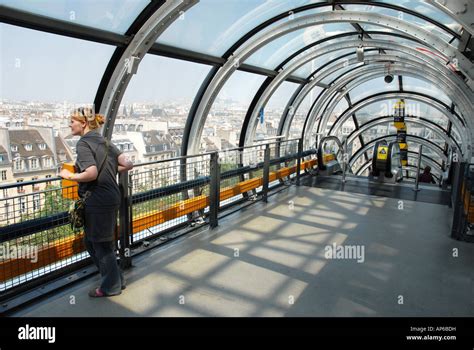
19 164
36 202
14 148
20 188
7 207
47 162
23 205
34 163
29 147
42 146
4 175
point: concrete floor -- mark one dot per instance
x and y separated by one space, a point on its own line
269 260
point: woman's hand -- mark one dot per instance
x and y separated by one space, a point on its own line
65 174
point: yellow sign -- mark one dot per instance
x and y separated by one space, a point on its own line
382 153
399 104
400 126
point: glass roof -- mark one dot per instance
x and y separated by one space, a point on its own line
226 22
272 54
403 16
372 87
112 15
427 10
418 85
38 66
307 69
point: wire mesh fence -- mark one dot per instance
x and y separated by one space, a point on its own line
166 194
36 238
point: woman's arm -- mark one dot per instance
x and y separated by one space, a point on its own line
124 163
88 175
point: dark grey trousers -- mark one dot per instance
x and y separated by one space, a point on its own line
103 256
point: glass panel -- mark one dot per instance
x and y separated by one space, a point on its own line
426 111
403 16
352 149
340 108
339 73
302 112
308 68
112 15
47 68
272 54
158 99
372 87
427 151
226 22
224 122
347 128
427 10
395 39
268 127
427 134
377 131
427 88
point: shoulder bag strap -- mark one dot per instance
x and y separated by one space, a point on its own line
88 193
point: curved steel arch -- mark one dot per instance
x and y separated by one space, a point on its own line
423 122
285 124
147 12
305 21
412 138
408 95
313 83
132 55
453 89
426 74
414 55
334 90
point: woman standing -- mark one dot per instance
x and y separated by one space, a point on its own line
103 195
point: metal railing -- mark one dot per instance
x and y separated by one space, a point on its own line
157 198
463 202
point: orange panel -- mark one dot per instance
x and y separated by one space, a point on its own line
68 191
54 252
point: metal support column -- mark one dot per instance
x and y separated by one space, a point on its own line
458 226
298 161
266 173
214 190
125 219
417 180
344 160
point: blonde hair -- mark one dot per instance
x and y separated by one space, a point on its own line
94 121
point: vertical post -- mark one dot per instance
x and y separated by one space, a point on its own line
457 198
298 161
420 151
344 160
214 190
125 219
266 173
